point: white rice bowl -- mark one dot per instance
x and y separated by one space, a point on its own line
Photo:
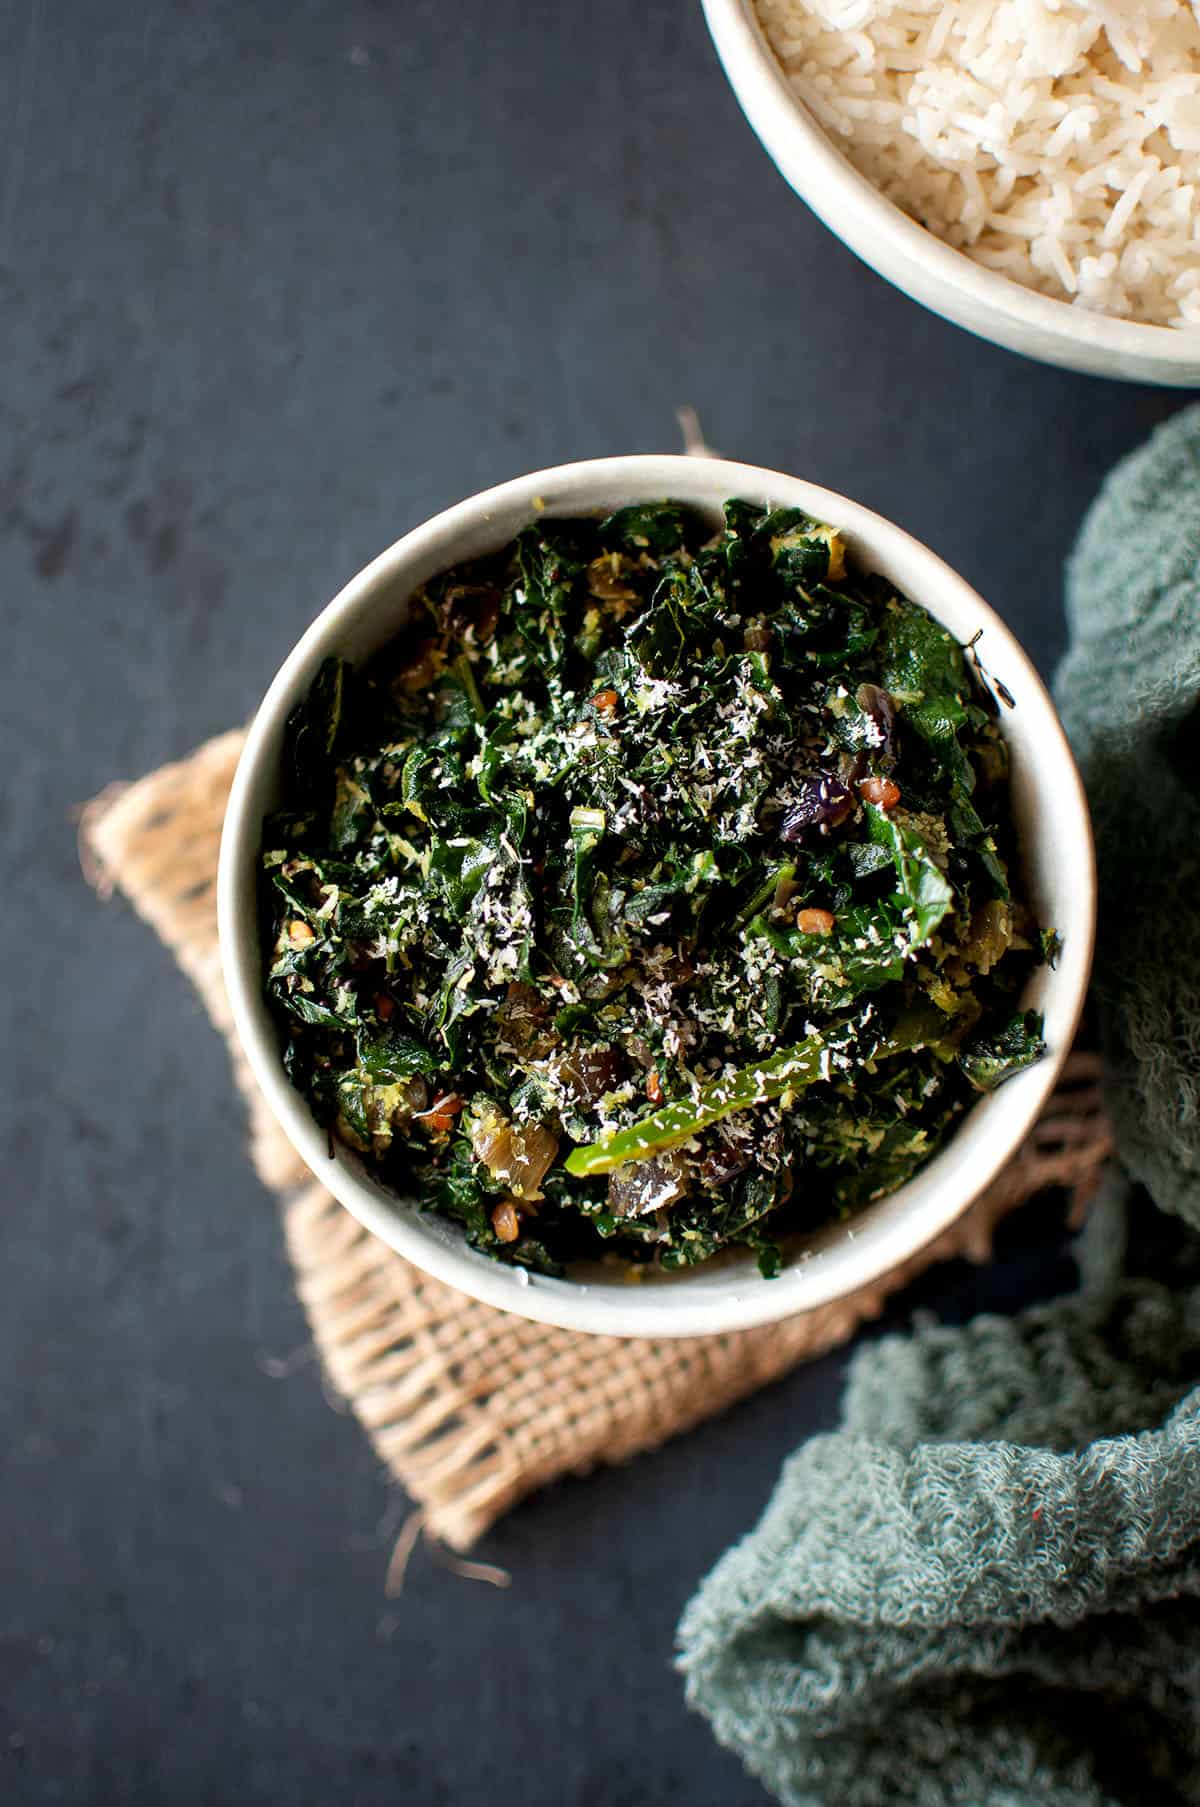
1056 144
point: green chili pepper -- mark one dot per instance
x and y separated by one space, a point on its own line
788 1071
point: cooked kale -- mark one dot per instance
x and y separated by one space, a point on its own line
651 893
991 1059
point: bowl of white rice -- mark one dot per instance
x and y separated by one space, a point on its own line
1029 169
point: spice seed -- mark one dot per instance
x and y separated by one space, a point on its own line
815 922
505 1221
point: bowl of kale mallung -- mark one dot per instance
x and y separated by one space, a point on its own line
652 894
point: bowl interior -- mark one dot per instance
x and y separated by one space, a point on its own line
1055 844
943 279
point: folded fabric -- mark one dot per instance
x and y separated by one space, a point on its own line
983 1588
1129 695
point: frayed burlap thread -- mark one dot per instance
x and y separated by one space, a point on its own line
472 1408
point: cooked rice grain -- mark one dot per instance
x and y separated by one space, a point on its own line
1058 144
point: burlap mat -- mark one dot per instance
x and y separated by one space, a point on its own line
471 1408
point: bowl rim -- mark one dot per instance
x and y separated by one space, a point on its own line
692 1304
778 116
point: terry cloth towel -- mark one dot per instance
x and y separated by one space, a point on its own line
983 1588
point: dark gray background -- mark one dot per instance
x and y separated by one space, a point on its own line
278 280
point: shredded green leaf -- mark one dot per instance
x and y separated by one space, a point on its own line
603 901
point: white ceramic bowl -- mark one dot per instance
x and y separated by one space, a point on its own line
1052 821
914 259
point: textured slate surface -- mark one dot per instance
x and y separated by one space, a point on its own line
276 281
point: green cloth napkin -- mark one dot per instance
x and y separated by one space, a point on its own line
983 1589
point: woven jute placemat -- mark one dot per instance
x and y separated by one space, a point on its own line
470 1407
